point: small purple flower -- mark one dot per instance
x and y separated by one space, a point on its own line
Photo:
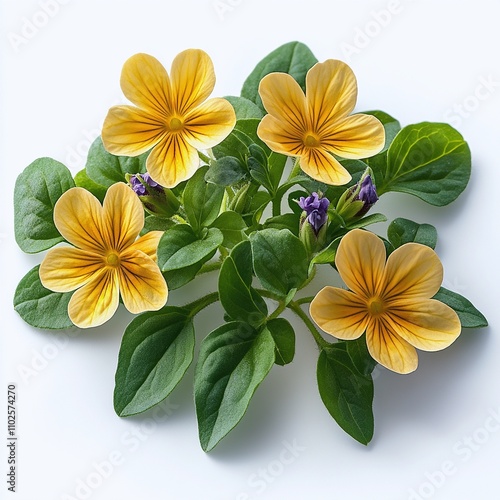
316 209
138 187
367 194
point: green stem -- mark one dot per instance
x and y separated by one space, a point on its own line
281 307
309 279
320 341
211 266
304 300
205 158
200 304
295 169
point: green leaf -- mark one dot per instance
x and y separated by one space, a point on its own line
232 226
245 108
107 169
180 247
429 160
202 200
279 260
366 221
240 301
469 316
391 126
40 307
327 255
226 171
84 181
288 221
235 144
234 359
346 393
177 278
360 356
293 58
156 350
284 338
36 191
154 223
401 231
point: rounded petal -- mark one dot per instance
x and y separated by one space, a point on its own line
78 217
130 131
145 82
148 243
193 79
357 136
389 349
279 138
173 160
413 270
283 98
331 92
360 261
322 166
339 312
96 302
209 123
426 324
123 216
142 285
65 269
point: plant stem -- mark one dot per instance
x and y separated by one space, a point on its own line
320 341
211 266
200 304
304 300
205 158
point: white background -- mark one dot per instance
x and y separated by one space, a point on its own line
436 434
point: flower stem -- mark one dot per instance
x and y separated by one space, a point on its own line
205 158
211 266
304 300
320 341
200 304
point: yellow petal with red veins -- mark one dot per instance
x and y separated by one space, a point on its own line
142 285
148 243
339 312
96 302
323 167
130 131
426 324
78 217
331 92
145 82
279 138
389 349
193 79
413 270
123 216
360 261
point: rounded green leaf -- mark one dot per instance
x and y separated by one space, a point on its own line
401 231
284 339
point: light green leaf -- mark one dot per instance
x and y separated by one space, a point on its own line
245 108
226 171
84 181
232 226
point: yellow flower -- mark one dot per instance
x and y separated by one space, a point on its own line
316 125
108 260
390 300
171 116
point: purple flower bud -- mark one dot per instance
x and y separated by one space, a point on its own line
367 194
316 209
139 188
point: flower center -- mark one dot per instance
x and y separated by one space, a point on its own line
311 141
113 260
376 306
175 124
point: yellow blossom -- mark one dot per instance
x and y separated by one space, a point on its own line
171 115
107 259
390 301
316 125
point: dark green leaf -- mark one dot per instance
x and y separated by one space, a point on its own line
157 349
284 221
232 226
234 359
360 356
40 307
279 260
284 338
346 393
245 108
36 192
177 278
226 171
469 316
84 181
366 221
401 231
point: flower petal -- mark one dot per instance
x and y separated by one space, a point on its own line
142 285
130 131
145 82
413 270
96 302
357 136
173 160
283 98
339 312
209 123
389 349
123 216
360 261
148 243
193 79
331 92
279 138
78 217
426 324
322 166
65 269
